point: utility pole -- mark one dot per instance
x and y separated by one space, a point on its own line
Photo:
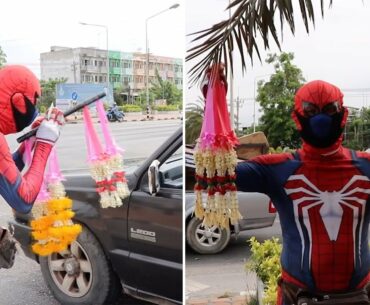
231 87
239 103
237 114
107 52
74 67
176 5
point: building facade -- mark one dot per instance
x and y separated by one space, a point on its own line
126 70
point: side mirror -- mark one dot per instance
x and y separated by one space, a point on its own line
153 175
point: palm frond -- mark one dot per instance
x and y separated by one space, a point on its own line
193 120
251 17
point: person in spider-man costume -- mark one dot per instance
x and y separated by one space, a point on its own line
19 91
321 193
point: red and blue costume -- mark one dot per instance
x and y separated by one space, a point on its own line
321 193
19 91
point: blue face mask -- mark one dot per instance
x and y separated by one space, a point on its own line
321 125
321 130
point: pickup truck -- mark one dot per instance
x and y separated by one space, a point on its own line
136 248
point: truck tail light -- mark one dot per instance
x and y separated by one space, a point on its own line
272 208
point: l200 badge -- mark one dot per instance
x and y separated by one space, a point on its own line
143 235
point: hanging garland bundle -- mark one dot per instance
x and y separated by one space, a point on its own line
105 166
113 154
96 159
215 157
52 227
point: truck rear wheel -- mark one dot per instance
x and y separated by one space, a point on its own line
81 274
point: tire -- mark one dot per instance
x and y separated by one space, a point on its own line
120 119
204 240
93 280
110 118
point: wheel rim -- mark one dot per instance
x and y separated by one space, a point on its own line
206 236
71 270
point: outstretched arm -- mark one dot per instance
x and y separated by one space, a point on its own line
250 177
20 191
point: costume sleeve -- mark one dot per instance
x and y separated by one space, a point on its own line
251 177
20 191
17 157
265 174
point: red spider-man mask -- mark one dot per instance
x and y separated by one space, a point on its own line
319 113
19 90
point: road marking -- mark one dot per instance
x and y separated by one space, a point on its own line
193 286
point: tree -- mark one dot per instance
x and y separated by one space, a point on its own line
193 120
2 57
365 135
276 98
357 129
250 18
118 95
163 90
48 93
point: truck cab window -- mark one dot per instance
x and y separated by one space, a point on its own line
170 172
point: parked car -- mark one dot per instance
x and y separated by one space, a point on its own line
137 247
256 208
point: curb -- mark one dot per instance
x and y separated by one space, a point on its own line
236 300
78 120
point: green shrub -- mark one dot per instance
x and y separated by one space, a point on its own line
280 150
42 109
265 262
166 108
130 108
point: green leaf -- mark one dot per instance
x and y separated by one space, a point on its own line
251 19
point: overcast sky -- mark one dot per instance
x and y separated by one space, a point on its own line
29 28
337 50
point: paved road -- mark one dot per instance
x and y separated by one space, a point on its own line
224 273
23 284
138 139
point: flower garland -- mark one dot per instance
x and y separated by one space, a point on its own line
114 156
105 166
52 227
215 162
55 231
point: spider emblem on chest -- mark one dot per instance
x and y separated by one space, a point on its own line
330 205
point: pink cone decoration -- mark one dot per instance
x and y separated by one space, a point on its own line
54 173
54 176
104 164
94 147
215 158
28 151
110 145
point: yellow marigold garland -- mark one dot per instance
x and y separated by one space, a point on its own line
52 227
55 231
